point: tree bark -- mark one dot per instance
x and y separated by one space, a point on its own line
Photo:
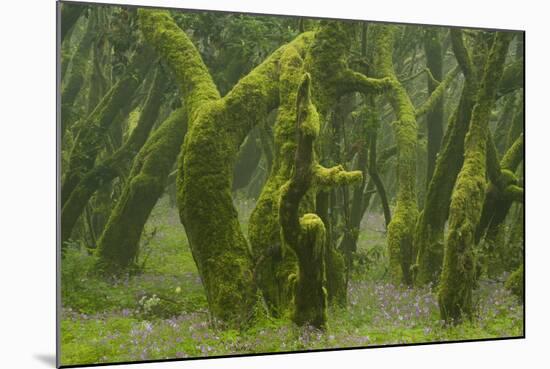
457 277
118 245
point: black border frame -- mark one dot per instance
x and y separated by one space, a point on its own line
195 10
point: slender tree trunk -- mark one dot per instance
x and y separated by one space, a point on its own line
78 73
401 227
249 156
434 119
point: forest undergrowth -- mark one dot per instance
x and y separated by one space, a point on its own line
161 312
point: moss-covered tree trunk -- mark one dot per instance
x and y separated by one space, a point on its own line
272 265
110 168
434 119
217 128
457 278
331 78
401 227
305 234
499 197
118 245
428 241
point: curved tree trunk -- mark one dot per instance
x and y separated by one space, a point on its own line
401 227
118 245
305 235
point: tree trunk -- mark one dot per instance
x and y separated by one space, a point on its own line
428 241
434 119
93 129
119 243
110 168
457 277
401 227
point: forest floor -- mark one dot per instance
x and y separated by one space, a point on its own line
161 313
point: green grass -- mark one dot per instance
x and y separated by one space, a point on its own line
162 312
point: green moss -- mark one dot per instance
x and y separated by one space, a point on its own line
458 275
310 298
306 235
335 176
401 227
429 232
514 155
118 245
274 265
194 80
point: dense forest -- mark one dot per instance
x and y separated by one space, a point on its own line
235 184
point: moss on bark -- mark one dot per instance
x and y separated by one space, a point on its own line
118 245
429 231
401 227
457 278
305 234
217 129
111 167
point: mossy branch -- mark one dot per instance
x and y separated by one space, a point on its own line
174 46
92 130
401 227
111 167
352 81
514 193
437 94
335 176
514 155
